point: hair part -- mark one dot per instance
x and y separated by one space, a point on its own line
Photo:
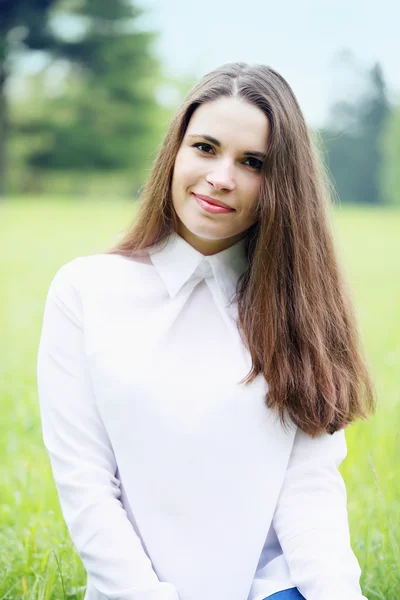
296 316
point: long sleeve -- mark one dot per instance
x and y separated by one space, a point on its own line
311 520
82 458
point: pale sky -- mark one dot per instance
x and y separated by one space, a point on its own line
300 39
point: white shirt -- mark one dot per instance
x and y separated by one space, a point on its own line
175 481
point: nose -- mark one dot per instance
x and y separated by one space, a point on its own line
222 176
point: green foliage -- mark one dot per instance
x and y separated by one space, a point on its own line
31 17
106 118
390 172
103 124
353 141
23 24
33 135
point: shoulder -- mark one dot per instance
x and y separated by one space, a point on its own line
73 273
87 268
97 274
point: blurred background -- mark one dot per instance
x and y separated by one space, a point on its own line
87 86
87 89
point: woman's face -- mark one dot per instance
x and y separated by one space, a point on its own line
220 157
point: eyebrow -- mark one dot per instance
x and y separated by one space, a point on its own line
218 143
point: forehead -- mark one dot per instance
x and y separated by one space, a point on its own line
231 121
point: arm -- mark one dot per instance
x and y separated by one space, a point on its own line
81 456
311 520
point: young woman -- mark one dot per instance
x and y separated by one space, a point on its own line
195 380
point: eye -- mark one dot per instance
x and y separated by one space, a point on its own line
255 163
203 147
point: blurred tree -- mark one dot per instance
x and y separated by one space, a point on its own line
390 174
353 140
106 117
23 24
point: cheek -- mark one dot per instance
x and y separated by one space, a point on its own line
185 170
251 197
194 168
182 179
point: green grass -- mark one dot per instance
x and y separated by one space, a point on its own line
37 557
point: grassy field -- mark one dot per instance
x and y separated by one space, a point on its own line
37 558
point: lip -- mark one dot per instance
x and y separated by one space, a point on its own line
212 201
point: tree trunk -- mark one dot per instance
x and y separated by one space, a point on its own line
3 129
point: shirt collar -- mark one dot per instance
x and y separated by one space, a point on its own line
176 261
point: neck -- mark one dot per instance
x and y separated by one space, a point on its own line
205 246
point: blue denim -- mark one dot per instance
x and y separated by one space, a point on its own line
290 594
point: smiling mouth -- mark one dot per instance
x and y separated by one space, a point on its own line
210 207
212 201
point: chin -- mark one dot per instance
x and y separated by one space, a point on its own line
204 232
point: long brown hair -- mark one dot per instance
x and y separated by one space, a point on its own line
295 311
